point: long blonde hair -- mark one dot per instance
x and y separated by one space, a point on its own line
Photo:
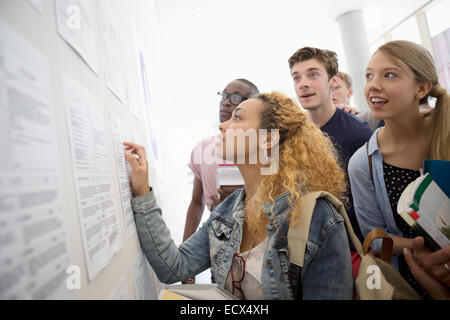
307 160
420 61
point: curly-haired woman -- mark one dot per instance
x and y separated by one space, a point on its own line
244 240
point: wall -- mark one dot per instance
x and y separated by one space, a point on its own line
36 23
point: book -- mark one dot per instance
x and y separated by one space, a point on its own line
440 172
426 209
195 292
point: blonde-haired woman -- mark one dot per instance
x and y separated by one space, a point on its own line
400 76
244 240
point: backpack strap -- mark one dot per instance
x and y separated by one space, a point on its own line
298 235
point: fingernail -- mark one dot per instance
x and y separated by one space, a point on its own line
405 251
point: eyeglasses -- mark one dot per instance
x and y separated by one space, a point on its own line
235 99
237 274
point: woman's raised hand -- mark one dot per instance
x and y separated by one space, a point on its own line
135 155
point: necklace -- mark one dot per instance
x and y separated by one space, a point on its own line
249 250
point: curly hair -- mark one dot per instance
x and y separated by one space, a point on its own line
307 160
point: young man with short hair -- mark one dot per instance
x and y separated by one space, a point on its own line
315 75
343 91
341 99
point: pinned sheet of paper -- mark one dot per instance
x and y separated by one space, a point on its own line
121 291
93 179
112 49
144 287
119 135
132 71
34 248
37 5
76 26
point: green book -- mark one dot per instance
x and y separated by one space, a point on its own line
426 209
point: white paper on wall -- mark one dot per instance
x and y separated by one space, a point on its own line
76 26
144 287
112 49
37 5
93 179
119 135
34 252
121 292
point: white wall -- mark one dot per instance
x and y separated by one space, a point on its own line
41 32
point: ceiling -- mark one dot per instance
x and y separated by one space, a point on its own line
255 38
380 14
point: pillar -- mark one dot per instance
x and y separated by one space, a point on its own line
356 48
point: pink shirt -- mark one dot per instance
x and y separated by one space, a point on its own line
203 164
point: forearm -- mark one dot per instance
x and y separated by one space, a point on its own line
193 218
170 263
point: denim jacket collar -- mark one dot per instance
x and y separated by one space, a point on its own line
373 142
280 206
239 205
239 202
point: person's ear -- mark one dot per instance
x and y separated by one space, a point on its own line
334 81
423 89
350 92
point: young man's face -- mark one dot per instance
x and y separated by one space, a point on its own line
342 94
312 84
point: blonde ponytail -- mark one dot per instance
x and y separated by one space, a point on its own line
440 125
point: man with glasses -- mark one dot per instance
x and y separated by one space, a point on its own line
204 189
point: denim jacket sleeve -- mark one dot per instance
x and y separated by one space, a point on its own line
327 274
170 263
365 202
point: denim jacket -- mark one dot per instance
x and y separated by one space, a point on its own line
327 270
370 198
